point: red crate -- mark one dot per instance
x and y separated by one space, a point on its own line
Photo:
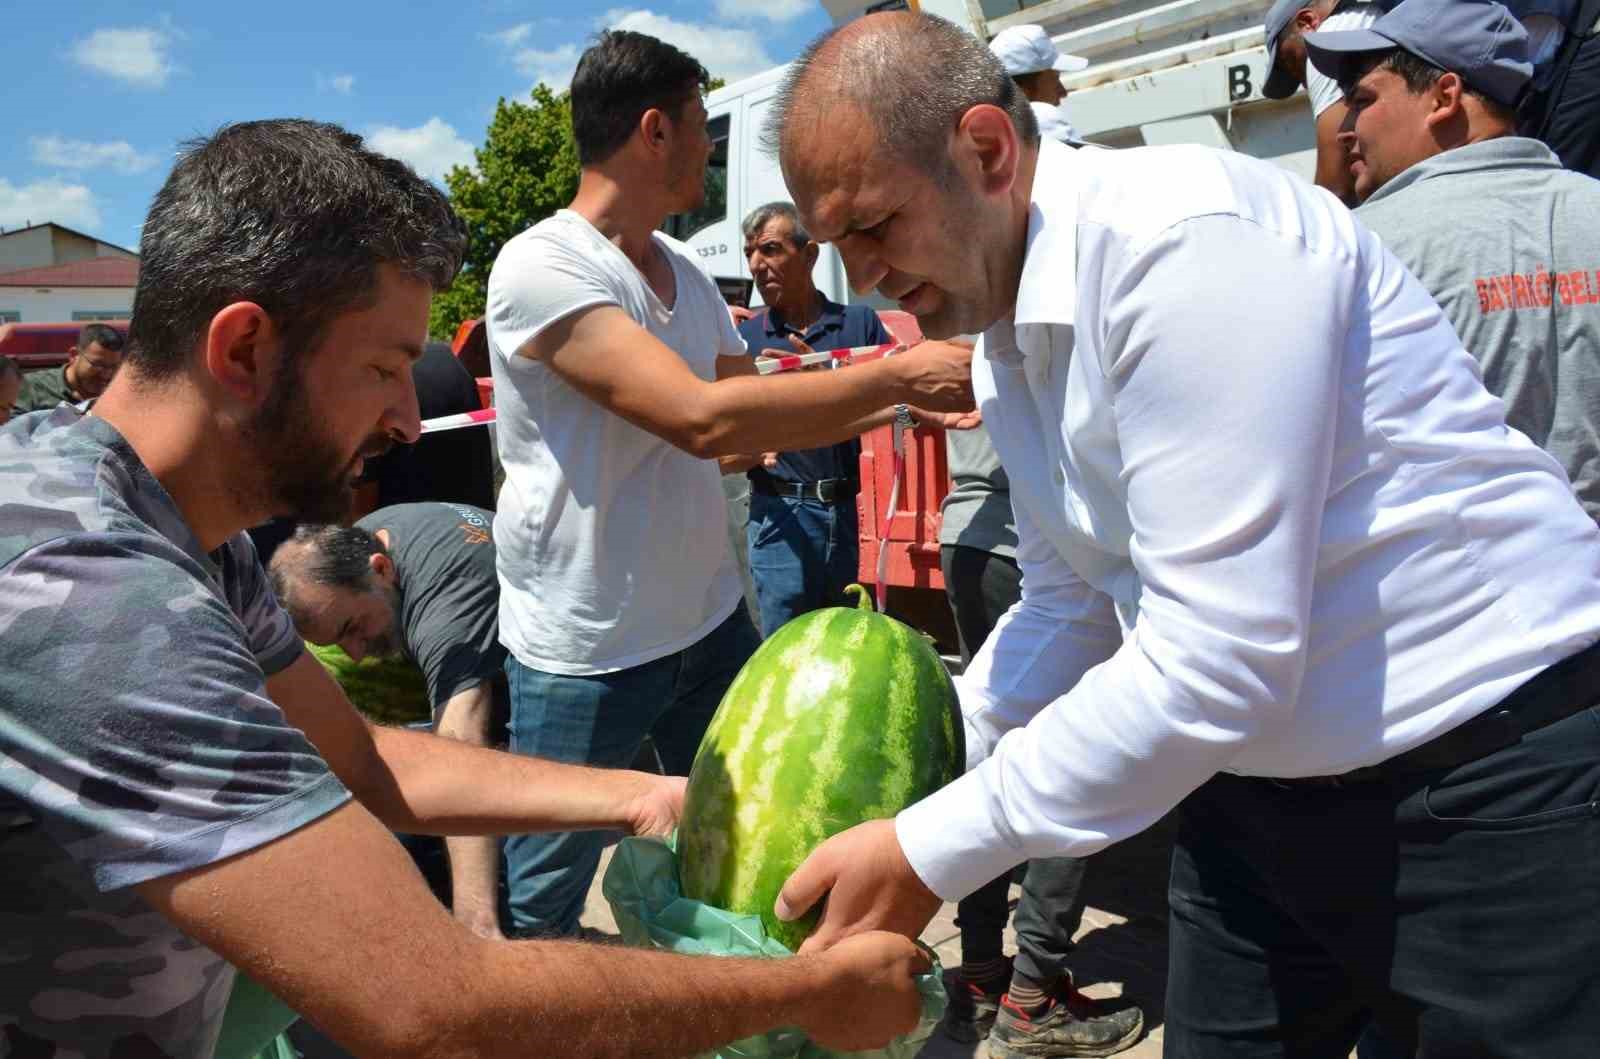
913 537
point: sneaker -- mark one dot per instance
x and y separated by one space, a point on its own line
971 1010
1070 1024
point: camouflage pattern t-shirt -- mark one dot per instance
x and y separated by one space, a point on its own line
136 741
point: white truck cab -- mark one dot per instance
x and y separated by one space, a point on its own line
1179 71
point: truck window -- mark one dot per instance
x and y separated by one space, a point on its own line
715 208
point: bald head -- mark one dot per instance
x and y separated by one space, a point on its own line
912 76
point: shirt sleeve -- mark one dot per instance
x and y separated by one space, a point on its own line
273 638
536 283
1226 437
135 724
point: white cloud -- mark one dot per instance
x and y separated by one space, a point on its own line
81 154
727 52
553 67
72 205
137 55
771 10
431 148
340 83
514 36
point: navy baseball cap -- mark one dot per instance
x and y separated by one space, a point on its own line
1280 82
1479 40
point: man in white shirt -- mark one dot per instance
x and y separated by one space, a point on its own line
1282 561
1031 59
1287 23
613 355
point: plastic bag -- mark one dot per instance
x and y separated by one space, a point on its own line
642 887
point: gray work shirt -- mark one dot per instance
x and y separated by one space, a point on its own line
1508 243
977 511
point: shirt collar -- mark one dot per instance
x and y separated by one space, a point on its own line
832 316
1499 153
1047 290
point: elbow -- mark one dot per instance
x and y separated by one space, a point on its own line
704 431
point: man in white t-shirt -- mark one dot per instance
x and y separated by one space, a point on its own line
614 360
1287 23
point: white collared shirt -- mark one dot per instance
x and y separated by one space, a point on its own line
1269 520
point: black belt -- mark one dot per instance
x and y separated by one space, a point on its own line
1566 688
828 490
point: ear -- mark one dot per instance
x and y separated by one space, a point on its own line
382 567
1307 19
1445 100
72 353
811 251
986 137
242 351
655 129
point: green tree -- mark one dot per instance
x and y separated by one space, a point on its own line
526 170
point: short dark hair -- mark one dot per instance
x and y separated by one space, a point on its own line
914 103
106 337
294 215
323 554
9 368
761 215
1420 75
622 75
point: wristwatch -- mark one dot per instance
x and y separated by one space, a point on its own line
903 417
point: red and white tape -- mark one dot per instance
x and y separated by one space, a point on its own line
764 365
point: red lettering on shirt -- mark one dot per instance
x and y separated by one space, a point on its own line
1538 289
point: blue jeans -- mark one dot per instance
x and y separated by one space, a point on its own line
802 555
602 720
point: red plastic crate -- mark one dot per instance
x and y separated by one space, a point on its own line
913 537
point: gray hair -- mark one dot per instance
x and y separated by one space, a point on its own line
914 74
762 215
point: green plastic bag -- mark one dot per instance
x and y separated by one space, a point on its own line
642 887
254 1023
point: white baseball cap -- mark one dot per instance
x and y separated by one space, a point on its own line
1029 49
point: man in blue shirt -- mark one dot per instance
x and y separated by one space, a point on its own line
802 529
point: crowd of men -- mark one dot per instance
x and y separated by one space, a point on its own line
1318 570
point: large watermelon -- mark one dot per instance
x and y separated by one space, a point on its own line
842 716
387 690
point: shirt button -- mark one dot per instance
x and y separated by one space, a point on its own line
1060 476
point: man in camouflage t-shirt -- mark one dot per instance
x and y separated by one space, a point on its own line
138 738
183 789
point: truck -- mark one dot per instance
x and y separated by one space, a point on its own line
1180 71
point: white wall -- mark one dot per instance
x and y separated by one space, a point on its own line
57 304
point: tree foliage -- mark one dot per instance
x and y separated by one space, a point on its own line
526 170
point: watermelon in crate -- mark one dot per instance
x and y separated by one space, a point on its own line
843 715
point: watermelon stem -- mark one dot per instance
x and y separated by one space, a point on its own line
863 597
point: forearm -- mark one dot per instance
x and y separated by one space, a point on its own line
623 1002
422 784
802 411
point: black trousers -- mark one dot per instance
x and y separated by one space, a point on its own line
1458 910
981 586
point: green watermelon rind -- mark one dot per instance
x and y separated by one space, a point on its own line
876 705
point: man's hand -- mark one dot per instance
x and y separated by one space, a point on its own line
869 885
658 805
938 376
872 996
969 420
737 464
740 314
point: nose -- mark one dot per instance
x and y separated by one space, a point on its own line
862 265
403 421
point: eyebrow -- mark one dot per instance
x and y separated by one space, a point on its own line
410 349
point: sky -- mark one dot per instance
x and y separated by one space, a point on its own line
99 95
